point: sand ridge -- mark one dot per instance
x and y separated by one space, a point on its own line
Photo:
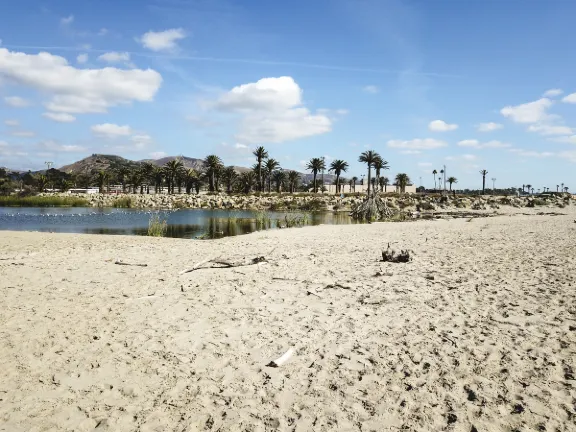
477 333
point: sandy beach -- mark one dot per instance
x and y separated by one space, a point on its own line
477 333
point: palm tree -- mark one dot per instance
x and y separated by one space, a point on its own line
271 165
246 180
452 180
42 182
379 165
260 154
354 181
528 186
483 172
338 166
386 182
279 176
190 178
316 165
369 157
293 179
172 170
229 175
158 177
148 170
102 180
557 187
402 180
434 173
213 165
122 173
135 179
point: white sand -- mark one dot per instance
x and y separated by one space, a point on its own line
489 344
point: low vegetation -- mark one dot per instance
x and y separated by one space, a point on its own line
124 202
41 201
157 227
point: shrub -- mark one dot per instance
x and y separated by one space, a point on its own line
42 201
124 202
157 227
315 204
179 204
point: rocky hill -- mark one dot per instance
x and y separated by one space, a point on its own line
99 162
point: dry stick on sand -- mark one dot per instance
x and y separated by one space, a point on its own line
225 264
281 360
120 262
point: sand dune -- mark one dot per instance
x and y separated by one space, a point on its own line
477 333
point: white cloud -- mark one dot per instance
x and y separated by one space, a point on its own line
272 111
565 139
55 147
417 144
464 157
531 153
531 112
552 93
141 141
11 123
67 20
103 32
425 164
571 98
15 101
78 91
23 134
568 155
82 58
201 121
489 127
441 126
59 117
545 129
115 57
478 145
372 89
240 146
110 130
162 41
158 155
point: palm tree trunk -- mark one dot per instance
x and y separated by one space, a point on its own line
369 178
483 184
337 183
314 189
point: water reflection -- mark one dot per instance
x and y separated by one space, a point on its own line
196 223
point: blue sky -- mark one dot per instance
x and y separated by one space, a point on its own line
479 84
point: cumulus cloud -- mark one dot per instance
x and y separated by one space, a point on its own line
489 127
546 129
272 110
115 57
67 20
59 117
82 58
162 41
372 89
531 112
478 145
23 133
54 146
110 130
158 155
565 139
78 91
240 146
417 144
552 93
441 126
11 122
15 101
571 98
141 141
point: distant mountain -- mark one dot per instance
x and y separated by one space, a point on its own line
99 162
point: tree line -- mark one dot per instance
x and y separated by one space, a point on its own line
266 175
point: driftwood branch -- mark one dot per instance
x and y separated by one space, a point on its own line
281 360
217 263
120 262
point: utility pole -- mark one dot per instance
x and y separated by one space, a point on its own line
493 184
444 174
48 165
